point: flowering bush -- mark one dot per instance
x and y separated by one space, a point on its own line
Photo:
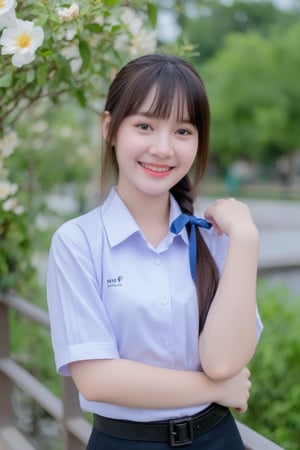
66 50
60 51
13 233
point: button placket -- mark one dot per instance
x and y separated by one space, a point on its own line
167 343
165 303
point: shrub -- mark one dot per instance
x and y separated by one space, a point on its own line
275 395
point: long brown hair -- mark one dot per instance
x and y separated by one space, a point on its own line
173 78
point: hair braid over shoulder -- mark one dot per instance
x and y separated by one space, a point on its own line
207 276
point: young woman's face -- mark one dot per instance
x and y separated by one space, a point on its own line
153 154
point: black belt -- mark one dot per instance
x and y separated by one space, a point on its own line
175 431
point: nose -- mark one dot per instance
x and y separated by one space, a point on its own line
161 146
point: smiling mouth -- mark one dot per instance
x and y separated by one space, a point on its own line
156 169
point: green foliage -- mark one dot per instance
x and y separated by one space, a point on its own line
207 23
15 250
31 347
152 13
255 106
275 394
57 147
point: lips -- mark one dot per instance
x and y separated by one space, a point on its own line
156 169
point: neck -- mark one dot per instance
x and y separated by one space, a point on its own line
151 212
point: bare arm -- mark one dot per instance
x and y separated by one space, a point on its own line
133 384
228 339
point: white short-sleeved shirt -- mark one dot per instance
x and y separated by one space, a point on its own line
113 295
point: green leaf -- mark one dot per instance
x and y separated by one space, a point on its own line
63 68
80 95
42 20
42 74
85 53
6 80
115 28
94 28
152 14
46 52
110 3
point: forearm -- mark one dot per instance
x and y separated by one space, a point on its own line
133 384
228 339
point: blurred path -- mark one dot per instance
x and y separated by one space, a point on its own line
279 226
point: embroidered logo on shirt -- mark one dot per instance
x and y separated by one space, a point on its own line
115 282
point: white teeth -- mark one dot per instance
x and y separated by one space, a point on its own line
155 168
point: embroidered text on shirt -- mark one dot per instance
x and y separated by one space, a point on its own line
115 282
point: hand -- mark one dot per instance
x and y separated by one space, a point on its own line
235 391
229 216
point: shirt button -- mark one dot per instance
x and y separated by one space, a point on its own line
165 300
158 261
166 343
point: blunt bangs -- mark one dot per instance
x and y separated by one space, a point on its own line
173 86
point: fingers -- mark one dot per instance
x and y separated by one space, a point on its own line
244 406
229 215
235 391
242 410
247 372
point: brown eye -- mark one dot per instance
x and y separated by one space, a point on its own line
143 126
183 132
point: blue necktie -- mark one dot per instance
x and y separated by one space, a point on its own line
178 224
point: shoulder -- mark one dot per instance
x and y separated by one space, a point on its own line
80 225
79 231
217 245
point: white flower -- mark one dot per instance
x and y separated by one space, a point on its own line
131 19
7 189
68 14
72 54
6 5
66 32
138 40
142 43
12 205
3 171
7 12
8 143
39 127
21 40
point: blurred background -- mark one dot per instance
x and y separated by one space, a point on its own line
247 53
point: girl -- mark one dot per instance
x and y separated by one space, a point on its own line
153 312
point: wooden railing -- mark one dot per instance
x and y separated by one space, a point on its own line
66 410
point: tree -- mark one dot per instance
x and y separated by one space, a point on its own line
286 74
238 82
206 23
254 96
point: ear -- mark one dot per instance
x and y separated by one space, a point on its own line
106 119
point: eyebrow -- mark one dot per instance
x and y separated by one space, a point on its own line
149 115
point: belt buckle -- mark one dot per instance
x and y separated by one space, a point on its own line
180 431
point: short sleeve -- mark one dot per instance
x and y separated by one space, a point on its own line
80 328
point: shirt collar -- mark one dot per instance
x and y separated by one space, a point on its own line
118 230
175 211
